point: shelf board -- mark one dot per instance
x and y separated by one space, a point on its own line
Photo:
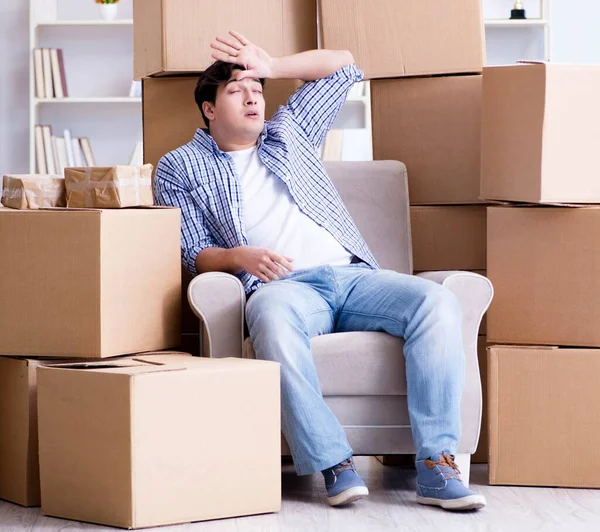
91 22
124 99
510 23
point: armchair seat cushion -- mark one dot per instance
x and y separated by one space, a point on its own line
356 363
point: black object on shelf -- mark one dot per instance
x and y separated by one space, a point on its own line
518 12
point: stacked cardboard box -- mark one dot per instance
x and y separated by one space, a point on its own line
170 53
540 137
425 62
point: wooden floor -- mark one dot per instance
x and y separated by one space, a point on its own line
391 506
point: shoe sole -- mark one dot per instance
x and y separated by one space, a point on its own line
348 496
472 502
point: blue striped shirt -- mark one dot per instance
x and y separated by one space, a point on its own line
202 180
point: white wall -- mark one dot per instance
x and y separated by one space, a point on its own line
573 40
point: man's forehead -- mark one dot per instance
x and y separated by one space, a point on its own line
245 80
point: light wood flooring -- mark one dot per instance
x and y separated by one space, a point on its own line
391 506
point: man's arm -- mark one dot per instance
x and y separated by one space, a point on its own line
306 66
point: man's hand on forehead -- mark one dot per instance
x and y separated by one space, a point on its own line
236 49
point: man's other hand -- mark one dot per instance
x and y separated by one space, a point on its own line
238 50
263 263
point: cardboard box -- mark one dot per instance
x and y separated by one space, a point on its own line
174 36
544 424
480 456
433 125
448 237
392 39
89 283
543 262
171 116
33 191
541 130
156 442
112 187
19 462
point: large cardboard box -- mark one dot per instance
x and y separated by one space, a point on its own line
89 283
391 39
174 36
543 263
541 131
543 421
433 125
171 116
155 441
448 237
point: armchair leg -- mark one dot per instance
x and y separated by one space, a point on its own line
463 461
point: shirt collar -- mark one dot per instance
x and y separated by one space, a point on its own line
202 137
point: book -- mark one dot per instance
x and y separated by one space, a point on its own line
61 154
56 77
40 154
137 156
48 149
63 75
78 158
69 148
87 151
47 64
135 91
40 90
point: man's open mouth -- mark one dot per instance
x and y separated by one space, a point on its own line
251 114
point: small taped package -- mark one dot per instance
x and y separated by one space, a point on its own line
111 187
36 191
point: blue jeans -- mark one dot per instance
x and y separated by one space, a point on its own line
283 315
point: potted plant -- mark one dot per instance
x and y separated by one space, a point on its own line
108 9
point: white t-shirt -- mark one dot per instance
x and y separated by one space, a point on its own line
274 221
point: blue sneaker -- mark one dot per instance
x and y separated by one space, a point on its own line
343 483
439 484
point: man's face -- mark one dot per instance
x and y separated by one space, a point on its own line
239 109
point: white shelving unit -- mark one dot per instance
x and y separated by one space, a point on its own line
98 58
509 40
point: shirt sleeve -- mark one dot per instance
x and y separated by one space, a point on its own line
316 104
170 190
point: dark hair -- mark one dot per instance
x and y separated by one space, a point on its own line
208 83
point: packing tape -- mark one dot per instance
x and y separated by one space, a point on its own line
87 185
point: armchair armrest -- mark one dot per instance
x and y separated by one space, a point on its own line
218 299
475 293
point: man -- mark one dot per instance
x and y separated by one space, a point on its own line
256 202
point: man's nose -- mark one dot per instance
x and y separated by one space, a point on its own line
250 98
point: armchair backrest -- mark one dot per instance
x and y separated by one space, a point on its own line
376 195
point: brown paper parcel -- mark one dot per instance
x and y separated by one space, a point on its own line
109 187
33 191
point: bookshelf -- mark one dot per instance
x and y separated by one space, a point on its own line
508 40
98 67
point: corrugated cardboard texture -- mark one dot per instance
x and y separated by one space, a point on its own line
151 445
174 36
89 283
33 191
541 129
544 426
480 456
543 263
171 116
391 39
448 238
110 187
432 125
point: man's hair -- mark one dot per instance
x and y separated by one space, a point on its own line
206 89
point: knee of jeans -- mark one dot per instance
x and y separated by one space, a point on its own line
443 304
268 316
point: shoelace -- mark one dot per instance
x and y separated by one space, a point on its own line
346 465
445 461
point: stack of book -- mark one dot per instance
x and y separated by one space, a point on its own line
53 153
50 79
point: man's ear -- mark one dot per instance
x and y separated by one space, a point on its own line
209 110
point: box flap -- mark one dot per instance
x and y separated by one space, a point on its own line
128 366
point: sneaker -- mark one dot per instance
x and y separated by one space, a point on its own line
439 484
343 484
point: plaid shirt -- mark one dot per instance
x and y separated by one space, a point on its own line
202 180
